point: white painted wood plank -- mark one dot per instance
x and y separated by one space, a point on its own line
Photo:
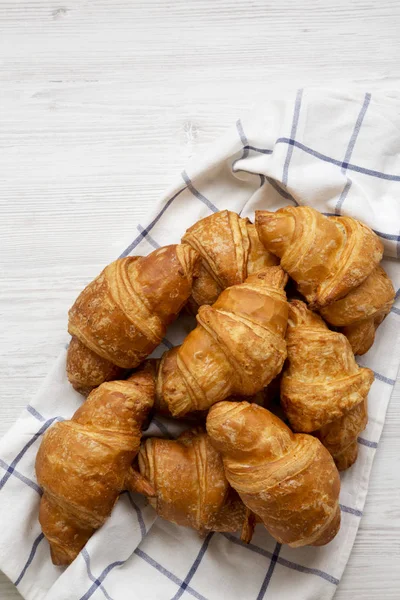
101 103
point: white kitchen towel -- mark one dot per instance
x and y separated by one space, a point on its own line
338 152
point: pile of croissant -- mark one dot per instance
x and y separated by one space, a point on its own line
241 464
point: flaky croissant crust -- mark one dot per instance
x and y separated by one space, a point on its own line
190 484
340 437
237 347
288 480
362 310
230 250
83 464
322 381
122 315
326 256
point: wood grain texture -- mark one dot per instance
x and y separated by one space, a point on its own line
101 103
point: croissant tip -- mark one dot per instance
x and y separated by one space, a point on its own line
81 389
136 482
274 276
248 527
189 259
203 224
300 314
59 559
262 216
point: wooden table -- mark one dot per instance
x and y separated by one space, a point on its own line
101 103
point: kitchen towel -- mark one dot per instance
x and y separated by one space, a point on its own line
336 151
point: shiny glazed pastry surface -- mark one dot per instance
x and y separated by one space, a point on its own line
164 370
322 385
237 347
250 466
122 315
230 251
289 481
340 436
190 486
326 256
83 464
362 310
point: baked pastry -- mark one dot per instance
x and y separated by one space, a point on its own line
237 347
165 367
323 383
230 251
190 486
122 316
83 464
340 436
360 313
326 256
287 480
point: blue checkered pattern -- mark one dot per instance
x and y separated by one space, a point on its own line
271 160
97 582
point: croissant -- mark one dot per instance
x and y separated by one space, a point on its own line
340 436
289 481
190 486
326 256
230 251
363 309
122 315
165 367
237 347
323 383
83 464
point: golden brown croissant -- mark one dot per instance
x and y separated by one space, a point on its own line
288 480
237 347
165 367
230 250
340 436
326 256
363 309
190 484
323 383
83 464
122 315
